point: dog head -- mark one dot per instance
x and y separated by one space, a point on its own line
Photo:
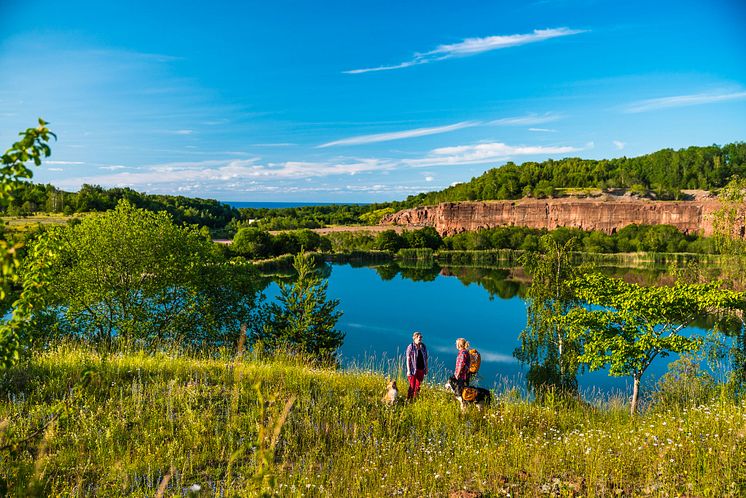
452 385
391 385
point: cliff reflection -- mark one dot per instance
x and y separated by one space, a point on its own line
498 282
504 283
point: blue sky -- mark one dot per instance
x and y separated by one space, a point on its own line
361 101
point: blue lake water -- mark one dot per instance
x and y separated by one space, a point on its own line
381 314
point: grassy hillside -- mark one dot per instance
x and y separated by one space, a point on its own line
140 425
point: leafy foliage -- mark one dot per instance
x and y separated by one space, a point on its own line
295 218
632 238
133 275
545 345
255 243
685 384
33 146
31 198
665 172
633 324
302 319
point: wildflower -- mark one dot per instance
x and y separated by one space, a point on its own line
195 488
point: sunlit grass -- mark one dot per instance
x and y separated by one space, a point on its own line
141 415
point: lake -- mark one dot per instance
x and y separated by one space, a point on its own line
383 306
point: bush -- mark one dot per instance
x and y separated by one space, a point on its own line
685 384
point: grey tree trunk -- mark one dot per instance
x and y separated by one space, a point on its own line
635 394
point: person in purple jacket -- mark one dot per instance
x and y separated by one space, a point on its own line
416 364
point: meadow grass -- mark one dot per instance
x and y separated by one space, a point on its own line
78 423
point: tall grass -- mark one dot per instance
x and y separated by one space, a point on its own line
200 421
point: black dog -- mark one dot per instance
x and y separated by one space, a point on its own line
478 396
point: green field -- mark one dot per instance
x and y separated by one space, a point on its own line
76 423
25 223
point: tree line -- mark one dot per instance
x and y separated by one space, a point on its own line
665 173
30 198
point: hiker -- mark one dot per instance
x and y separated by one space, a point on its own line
416 364
463 362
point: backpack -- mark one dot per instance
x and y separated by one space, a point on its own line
476 361
469 394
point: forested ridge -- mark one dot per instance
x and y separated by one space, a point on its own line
32 198
665 173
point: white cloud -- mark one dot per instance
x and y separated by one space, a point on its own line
487 356
543 130
472 46
55 169
618 144
682 100
527 120
484 152
64 162
185 174
429 178
399 135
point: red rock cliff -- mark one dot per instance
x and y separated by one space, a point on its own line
607 215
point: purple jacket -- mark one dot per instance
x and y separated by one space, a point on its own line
412 357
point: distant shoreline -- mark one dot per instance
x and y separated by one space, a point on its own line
285 205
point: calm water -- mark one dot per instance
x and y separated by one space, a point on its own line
381 314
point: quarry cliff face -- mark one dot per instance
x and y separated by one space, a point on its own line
606 215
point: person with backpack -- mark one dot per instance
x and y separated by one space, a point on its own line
417 365
463 363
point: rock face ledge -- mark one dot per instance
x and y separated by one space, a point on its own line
606 215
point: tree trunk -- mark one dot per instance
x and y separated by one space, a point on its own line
241 340
635 394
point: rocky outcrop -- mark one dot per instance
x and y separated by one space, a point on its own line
607 215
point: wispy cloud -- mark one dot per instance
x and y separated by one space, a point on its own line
527 120
55 169
618 144
64 162
485 152
473 46
543 130
682 100
186 174
113 167
399 135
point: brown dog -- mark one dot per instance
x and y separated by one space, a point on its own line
391 393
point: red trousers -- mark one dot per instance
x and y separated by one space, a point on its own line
414 383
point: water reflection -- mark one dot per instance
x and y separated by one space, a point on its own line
384 303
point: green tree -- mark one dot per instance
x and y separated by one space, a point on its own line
133 274
303 318
424 237
33 146
389 240
634 325
729 227
375 216
545 346
252 243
